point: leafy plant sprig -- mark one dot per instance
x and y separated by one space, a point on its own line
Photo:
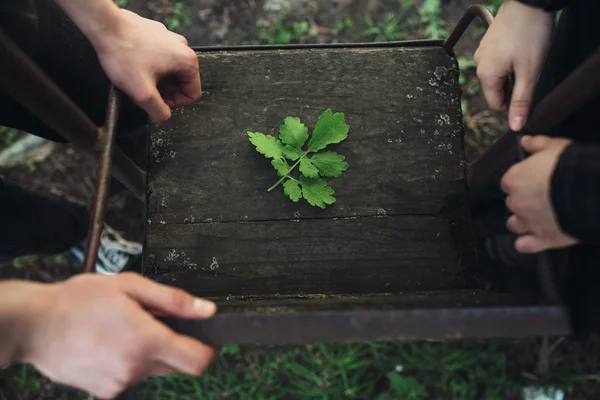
313 163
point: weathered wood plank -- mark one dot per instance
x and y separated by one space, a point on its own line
375 301
403 148
389 230
361 255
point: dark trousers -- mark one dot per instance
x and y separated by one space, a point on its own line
32 223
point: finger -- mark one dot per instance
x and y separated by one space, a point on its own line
514 205
521 100
188 79
509 181
169 98
166 299
492 83
533 144
151 101
517 225
529 244
184 354
160 369
179 99
183 39
167 90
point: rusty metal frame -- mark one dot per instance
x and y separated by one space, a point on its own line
103 176
310 327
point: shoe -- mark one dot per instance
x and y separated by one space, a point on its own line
115 253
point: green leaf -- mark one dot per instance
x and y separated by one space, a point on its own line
330 164
292 189
308 169
281 166
266 145
287 152
329 129
316 191
293 132
292 153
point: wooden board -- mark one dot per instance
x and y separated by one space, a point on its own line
214 230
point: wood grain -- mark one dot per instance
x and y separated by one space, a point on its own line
309 256
214 230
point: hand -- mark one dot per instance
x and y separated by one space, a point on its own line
153 66
92 332
527 185
516 42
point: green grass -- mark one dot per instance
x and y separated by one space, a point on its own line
395 25
7 136
431 18
179 17
282 30
447 370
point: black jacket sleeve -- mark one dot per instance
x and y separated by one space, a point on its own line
575 192
548 5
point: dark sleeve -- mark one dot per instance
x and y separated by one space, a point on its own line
575 192
548 5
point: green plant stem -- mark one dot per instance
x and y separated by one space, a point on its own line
279 182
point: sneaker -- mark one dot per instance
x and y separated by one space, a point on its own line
115 253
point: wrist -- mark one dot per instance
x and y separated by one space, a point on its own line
98 20
22 307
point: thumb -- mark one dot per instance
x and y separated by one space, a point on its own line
164 299
150 100
533 144
529 244
520 102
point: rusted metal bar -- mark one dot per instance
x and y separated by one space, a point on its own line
309 327
98 209
24 81
300 46
472 12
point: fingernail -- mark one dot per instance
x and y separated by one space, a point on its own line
517 123
205 306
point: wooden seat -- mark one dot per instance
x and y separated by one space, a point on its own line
394 250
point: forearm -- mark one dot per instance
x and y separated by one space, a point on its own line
575 192
20 303
95 18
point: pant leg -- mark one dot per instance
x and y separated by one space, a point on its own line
36 224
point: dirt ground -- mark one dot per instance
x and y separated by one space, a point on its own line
66 172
